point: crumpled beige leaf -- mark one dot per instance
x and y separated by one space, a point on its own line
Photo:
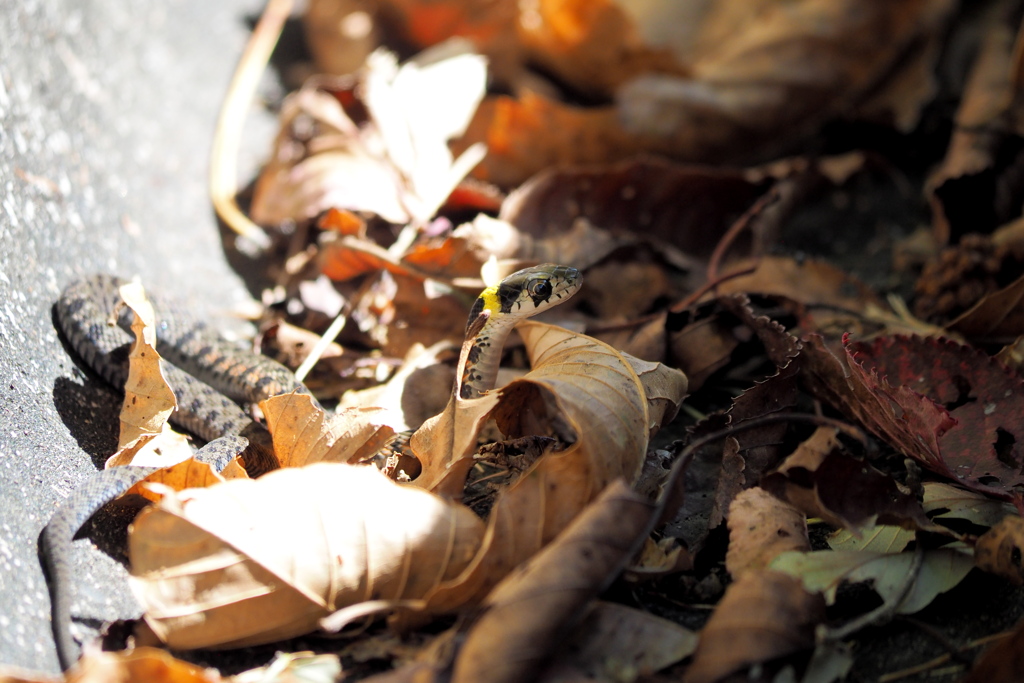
399 165
145 437
596 390
304 434
254 561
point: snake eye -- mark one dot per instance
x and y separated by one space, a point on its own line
539 289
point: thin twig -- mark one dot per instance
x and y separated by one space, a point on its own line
710 285
941 659
227 137
737 228
337 325
679 466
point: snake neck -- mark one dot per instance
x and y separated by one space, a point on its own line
481 356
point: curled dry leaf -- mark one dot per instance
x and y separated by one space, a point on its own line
760 527
146 439
148 400
763 615
601 394
521 619
399 165
999 550
577 381
222 567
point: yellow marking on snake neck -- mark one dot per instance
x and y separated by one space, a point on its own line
491 301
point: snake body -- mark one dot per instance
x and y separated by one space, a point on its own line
208 375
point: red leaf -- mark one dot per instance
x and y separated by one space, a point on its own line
951 407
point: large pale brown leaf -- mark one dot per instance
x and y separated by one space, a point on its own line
254 561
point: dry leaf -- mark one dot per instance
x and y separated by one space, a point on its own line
613 641
760 527
945 501
914 392
843 490
647 199
767 81
1002 662
521 619
997 315
148 400
963 190
221 567
764 615
808 281
999 550
417 391
598 394
304 434
146 439
399 166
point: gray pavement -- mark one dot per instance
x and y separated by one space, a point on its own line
107 111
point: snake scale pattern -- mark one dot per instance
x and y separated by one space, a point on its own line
210 377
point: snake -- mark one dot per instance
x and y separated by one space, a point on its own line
211 377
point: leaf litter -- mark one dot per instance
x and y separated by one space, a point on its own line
851 374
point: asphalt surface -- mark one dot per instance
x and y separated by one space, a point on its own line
107 111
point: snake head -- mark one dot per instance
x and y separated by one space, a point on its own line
529 291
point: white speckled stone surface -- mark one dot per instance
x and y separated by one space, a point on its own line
107 111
